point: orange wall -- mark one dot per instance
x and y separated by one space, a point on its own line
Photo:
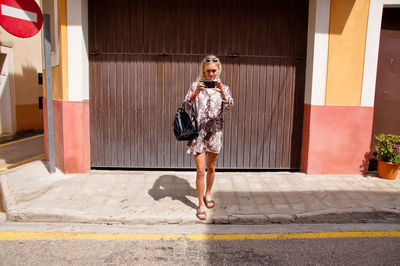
29 116
62 93
346 49
60 72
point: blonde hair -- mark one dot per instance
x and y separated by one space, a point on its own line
202 75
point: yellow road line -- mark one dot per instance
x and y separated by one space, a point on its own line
21 162
296 235
20 140
105 236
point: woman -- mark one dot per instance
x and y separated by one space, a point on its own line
210 104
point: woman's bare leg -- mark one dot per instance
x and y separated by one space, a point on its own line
211 163
200 160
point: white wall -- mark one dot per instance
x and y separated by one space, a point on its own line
317 51
7 92
78 49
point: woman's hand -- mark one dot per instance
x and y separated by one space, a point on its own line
200 87
219 88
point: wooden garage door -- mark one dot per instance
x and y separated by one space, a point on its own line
145 54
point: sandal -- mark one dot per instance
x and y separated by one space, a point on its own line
202 215
207 202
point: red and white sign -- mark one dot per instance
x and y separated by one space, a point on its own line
22 18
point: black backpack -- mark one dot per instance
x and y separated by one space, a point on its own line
185 127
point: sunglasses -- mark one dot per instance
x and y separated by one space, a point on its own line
209 59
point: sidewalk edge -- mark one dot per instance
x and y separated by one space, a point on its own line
9 203
361 215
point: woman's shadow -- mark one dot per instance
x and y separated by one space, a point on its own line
175 187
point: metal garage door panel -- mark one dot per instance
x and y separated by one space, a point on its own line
133 108
135 89
188 27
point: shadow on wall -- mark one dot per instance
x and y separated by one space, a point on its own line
342 10
28 116
370 163
26 90
6 98
2 60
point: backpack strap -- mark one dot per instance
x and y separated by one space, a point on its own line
194 119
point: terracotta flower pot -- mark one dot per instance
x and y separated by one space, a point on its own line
388 170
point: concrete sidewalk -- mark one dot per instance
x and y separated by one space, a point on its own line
31 194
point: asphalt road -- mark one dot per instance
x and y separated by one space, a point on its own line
45 244
363 251
16 151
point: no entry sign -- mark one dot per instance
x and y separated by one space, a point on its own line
22 18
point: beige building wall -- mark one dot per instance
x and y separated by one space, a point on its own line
27 63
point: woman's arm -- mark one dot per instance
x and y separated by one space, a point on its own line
226 95
228 102
194 90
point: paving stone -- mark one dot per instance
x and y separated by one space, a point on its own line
279 200
355 215
280 218
220 219
298 207
31 194
248 219
3 216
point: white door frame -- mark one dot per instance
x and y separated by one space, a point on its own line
372 49
7 93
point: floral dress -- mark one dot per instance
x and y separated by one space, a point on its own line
209 108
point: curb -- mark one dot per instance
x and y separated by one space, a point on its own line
7 198
356 215
363 215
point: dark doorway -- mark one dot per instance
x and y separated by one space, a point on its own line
387 91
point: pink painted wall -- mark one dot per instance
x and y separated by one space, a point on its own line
336 139
71 136
76 137
306 138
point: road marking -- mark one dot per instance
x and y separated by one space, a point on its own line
196 237
295 235
57 235
18 13
20 140
21 162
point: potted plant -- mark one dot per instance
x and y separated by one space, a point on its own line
388 149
